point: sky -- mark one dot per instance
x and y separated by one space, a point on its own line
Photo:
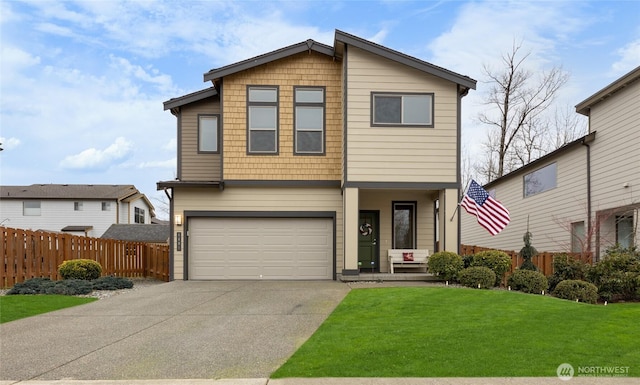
82 82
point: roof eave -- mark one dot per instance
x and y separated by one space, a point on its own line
584 107
309 45
190 98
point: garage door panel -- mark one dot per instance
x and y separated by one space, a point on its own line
260 248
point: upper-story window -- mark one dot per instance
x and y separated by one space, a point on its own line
208 133
106 206
401 109
541 180
77 206
262 119
31 208
309 120
139 215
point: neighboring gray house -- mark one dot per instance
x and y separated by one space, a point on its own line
80 209
138 233
584 196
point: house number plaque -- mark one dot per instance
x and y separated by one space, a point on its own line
178 241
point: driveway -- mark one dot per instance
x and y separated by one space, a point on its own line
180 329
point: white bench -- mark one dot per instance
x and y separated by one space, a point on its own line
402 258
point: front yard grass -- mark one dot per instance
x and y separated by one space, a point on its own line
13 307
452 332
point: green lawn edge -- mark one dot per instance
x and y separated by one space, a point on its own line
454 332
14 307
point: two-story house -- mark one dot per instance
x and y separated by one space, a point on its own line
311 161
79 209
585 196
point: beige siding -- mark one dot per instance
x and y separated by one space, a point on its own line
397 154
304 69
549 214
195 166
616 150
382 200
258 199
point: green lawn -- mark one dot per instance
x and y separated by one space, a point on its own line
453 332
13 307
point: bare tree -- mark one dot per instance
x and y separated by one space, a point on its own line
517 97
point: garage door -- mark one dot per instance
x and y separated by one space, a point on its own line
260 248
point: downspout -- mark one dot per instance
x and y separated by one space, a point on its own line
585 142
171 232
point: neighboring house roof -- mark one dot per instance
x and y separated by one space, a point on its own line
341 38
77 228
138 233
124 193
584 107
534 164
190 98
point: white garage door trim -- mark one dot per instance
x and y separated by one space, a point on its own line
260 245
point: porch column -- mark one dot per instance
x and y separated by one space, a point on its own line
351 214
448 228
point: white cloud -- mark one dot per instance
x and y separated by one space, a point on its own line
93 158
9 143
629 59
171 145
171 164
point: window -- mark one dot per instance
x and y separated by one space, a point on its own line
106 206
208 133
31 208
391 109
624 230
577 237
77 206
541 180
139 215
404 225
309 120
262 120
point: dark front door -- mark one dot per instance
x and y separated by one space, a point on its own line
368 247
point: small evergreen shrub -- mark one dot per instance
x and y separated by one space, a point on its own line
445 264
85 269
112 283
528 281
477 275
576 290
498 261
567 267
31 286
527 253
617 276
46 286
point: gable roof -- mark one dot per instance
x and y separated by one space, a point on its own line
584 107
309 45
190 98
138 233
341 39
410 61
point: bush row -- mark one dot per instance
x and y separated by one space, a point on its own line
616 277
69 286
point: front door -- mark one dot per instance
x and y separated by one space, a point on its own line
368 247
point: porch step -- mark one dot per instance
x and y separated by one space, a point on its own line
376 277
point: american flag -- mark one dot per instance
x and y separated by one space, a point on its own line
491 214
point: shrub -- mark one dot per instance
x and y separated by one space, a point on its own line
567 267
46 286
477 275
498 261
112 283
617 276
528 281
527 253
446 264
85 269
572 289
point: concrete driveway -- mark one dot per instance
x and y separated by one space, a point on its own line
171 330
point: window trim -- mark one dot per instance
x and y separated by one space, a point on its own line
323 105
106 206
414 205
217 150
524 180
275 104
139 213
78 206
374 94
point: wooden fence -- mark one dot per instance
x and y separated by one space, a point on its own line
30 254
543 261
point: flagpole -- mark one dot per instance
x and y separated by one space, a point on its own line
460 200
